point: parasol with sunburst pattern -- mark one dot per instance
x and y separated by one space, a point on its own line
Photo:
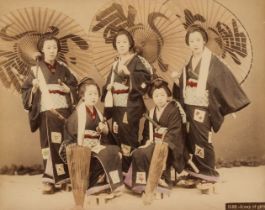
20 31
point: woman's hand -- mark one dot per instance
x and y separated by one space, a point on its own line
65 88
147 143
161 130
175 76
102 128
109 87
36 56
36 85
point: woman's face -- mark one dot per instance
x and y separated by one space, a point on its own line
160 97
122 44
50 50
91 95
196 42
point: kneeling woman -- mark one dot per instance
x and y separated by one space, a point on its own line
167 115
86 127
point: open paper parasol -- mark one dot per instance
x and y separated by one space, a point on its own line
156 31
20 31
228 38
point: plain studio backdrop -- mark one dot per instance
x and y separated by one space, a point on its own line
239 138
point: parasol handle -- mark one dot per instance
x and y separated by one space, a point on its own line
146 116
37 57
37 69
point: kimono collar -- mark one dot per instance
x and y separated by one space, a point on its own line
81 120
52 68
204 70
128 60
93 113
203 73
151 115
160 112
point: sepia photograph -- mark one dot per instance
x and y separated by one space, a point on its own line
132 104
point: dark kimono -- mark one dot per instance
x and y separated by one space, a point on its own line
48 114
105 159
128 106
177 156
223 96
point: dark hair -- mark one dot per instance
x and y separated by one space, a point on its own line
86 81
158 83
126 33
46 38
196 28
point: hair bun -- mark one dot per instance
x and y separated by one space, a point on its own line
86 81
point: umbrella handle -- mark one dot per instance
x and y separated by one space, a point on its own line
37 69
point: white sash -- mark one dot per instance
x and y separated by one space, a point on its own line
108 102
204 71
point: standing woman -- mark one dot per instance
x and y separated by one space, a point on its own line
208 91
48 95
127 83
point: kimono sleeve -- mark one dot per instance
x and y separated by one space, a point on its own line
31 102
145 133
174 134
141 76
107 111
26 91
177 91
176 142
71 82
227 91
70 129
104 88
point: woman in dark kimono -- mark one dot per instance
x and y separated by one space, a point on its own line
86 126
208 91
48 95
127 83
166 114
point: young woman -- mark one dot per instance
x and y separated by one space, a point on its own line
127 83
167 115
86 126
48 95
208 91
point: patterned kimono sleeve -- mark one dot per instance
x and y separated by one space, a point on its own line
176 142
174 135
141 77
